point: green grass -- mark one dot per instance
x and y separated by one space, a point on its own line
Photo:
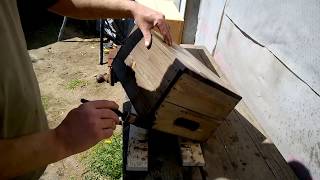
75 83
104 161
45 102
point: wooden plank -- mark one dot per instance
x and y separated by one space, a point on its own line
164 159
264 144
244 125
137 154
190 93
152 74
191 153
157 70
172 15
176 30
192 173
237 153
200 127
153 65
218 163
202 54
216 67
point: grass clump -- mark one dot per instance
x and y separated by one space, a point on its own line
73 84
45 102
105 159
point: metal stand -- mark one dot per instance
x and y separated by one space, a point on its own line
101 40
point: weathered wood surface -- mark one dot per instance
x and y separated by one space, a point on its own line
165 74
202 54
137 157
239 149
157 67
191 153
200 128
173 18
190 93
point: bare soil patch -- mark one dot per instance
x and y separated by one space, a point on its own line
66 73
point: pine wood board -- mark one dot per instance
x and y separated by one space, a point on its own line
173 18
239 149
191 153
240 132
205 99
137 157
156 70
168 113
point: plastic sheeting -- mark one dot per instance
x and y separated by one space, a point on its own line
285 107
209 18
269 51
290 29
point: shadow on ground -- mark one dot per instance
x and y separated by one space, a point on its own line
41 27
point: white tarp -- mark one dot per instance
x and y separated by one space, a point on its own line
209 18
287 109
270 51
290 29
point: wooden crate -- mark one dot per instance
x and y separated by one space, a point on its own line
171 90
173 18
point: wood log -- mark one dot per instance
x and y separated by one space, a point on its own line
171 90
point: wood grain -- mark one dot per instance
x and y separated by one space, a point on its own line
137 157
172 74
237 150
242 136
190 93
172 16
191 153
167 115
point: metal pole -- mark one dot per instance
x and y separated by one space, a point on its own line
62 28
101 41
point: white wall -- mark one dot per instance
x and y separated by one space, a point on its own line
269 50
210 14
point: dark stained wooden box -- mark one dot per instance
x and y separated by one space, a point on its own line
171 90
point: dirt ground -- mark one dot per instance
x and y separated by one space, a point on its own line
66 73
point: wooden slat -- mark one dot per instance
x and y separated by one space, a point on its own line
267 150
218 162
192 173
237 150
157 69
190 93
191 153
137 155
168 113
172 15
164 160
242 125
242 150
202 54
152 74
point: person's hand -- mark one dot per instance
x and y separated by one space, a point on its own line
146 19
86 125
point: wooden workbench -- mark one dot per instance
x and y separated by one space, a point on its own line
239 149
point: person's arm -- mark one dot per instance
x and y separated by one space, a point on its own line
145 18
82 128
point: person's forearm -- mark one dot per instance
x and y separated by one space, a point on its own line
23 154
94 9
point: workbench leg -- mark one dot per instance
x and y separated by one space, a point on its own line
101 40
